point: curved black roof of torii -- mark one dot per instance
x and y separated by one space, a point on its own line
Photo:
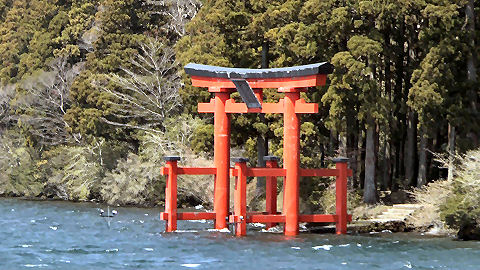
248 73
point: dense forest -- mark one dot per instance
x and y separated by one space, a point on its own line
93 93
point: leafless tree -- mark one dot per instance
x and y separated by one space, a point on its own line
180 12
7 94
144 96
46 102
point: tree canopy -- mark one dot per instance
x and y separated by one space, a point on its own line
106 74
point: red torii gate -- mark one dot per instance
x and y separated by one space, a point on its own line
249 82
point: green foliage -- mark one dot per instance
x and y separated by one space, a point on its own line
202 141
326 201
72 173
19 176
462 209
120 27
133 181
390 58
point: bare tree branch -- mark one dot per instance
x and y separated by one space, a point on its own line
7 94
47 100
180 13
148 93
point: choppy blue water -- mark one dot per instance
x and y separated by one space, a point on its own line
62 235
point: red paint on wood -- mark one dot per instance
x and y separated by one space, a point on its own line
271 193
291 162
195 215
240 197
221 159
321 218
319 172
197 171
266 219
171 196
341 197
216 84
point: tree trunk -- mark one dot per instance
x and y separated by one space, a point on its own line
422 158
361 161
353 158
265 51
472 57
386 177
472 63
369 193
398 131
333 142
262 139
410 148
387 162
262 150
451 150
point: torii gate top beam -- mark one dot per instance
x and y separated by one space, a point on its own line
218 78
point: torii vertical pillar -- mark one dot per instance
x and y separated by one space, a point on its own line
221 157
291 160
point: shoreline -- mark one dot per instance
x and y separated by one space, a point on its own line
358 227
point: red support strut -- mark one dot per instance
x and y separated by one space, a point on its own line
240 197
221 158
341 194
291 161
271 190
171 194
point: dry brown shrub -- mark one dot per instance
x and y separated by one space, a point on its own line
366 211
431 197
199 187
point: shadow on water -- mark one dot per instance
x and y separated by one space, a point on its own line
53 235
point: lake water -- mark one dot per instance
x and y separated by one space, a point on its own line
63 235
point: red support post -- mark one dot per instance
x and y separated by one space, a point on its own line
291 161
341 194
240 197
221 158
171 194
271 189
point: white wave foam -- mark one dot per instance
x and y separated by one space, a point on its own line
324 247
224 230
186 231
295 247
276 229
198 221
191 265
35 265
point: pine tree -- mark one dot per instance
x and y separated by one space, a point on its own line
118 30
